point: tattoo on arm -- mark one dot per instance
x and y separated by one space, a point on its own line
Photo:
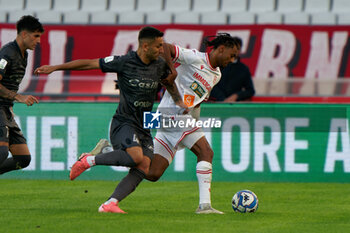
6 93
173 91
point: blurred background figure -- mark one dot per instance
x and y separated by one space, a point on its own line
236 82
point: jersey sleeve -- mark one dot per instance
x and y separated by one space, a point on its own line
112 64
185 56
4 63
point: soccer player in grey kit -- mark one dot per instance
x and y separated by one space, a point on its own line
13 62
138 76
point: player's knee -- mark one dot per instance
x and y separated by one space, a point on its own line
137 159
143 168
136 155
4 152
153 175
206 154
22 161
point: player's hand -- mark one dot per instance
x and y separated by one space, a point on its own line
44 70
29 100
183 107
231 99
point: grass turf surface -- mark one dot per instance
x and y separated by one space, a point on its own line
66 206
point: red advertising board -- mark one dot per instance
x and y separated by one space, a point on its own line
276 51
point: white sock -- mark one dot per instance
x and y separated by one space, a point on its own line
204 173
111 200
91 160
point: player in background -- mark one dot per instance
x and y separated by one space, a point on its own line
197 74
13 62
138 76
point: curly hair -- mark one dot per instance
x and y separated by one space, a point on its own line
221 39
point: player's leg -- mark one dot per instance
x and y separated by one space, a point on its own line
4 150
4 134
127 149
17 144
127 152
204 153
136 174
132 180
129 157
158 166
19 160
163 156
126 186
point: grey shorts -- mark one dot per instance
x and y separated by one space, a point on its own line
9 130
125 136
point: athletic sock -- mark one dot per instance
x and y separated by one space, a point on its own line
91 160
15 163
4 153
204 174
128 184
111 200
115 158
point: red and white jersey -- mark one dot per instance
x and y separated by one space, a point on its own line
195 79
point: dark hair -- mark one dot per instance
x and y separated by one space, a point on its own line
238 40
221 39
29 23
149 33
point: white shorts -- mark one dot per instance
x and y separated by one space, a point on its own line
167 143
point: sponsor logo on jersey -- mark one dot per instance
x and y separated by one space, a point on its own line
109 59
151 120
189 100
3 63
202 80
198 89
143 104
147 85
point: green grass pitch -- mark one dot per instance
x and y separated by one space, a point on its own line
71 206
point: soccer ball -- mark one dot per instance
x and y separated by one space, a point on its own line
244 201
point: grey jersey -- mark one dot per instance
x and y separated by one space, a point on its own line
12 68
138 83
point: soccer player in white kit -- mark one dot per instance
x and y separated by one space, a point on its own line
198 72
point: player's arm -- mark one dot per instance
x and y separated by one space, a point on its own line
169 81
170 49
231 98
171 87
11 95
169 53
82 64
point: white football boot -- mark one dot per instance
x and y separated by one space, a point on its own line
207 209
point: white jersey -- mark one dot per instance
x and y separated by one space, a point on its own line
195 79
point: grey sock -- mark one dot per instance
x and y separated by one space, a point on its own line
115 158
15 163
128 184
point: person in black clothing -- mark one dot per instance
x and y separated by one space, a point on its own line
138 76
236 82
13 62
